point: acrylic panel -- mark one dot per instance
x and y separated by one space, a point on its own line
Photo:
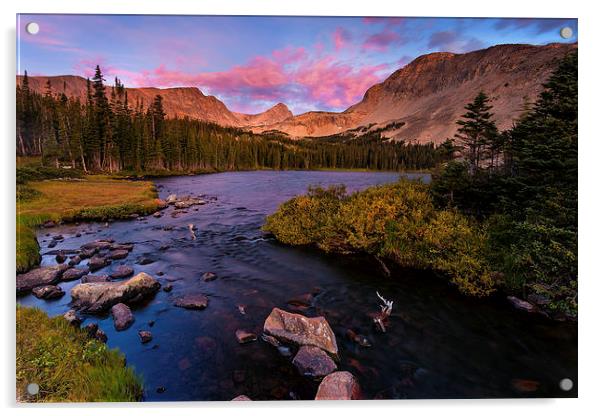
295 208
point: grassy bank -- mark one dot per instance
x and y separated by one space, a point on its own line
396 222
92 198
68 365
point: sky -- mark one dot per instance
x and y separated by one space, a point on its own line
254 62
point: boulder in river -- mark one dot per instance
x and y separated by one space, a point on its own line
126 246
313 362
522 305
171 199
340 385
41 276
301 330
194 301
99 297
244 337
48 292
98 262
60 257
122 272
122 316
168 288
73 274
145 336
144 260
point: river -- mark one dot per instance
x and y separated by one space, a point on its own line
439 344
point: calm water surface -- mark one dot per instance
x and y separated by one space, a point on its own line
439 344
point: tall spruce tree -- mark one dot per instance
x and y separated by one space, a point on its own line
477 132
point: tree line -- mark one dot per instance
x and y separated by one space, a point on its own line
522 185
105 132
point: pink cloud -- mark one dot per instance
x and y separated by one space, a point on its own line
381 41
341 37
290 75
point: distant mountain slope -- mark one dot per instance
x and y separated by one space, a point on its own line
419 102
429 94
183 101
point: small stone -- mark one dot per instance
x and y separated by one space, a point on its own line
122 316
92 278
60 257
340 385
118 254
98 262
521 305
122 272
58 237
209 276
74 261
245 337
313 362
145 336
48 292
197 301
71 317
145 260
168 288
73 274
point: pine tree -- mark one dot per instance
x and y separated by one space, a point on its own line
477 131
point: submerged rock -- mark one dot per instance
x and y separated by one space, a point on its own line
302 301
73 274
145 336
197 301
98 245
122 316
75 260
48 292
122 272
340 385
99 297
168 288
300 330
244 337
41 276
209 276
522 305
313 362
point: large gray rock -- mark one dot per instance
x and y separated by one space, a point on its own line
340 385
99 297
41 276
313 362
300 330
122 316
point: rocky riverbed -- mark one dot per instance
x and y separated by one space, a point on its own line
206 307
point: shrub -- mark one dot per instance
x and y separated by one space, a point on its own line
398 222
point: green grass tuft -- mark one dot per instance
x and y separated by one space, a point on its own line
68 365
